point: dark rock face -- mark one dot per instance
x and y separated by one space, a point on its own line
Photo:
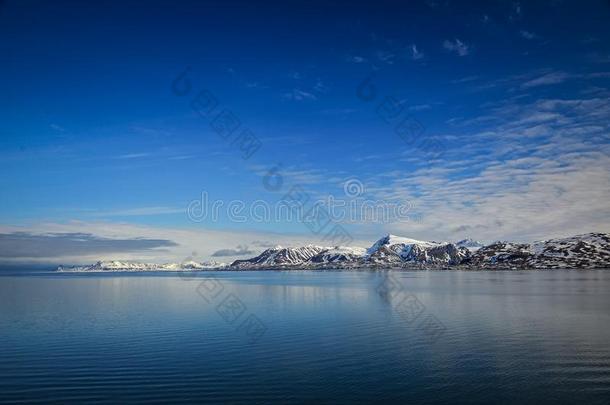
501 253
330 257
449 254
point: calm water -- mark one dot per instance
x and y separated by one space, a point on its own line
327 337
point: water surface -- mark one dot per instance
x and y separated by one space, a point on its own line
328 337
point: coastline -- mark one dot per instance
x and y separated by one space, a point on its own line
331 269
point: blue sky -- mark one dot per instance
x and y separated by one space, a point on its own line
93 140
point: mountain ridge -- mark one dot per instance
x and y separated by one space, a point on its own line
591 250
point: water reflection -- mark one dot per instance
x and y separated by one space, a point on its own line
331 336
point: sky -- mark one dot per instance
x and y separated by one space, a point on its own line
121 123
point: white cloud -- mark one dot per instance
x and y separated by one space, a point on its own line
516 12
300 95
420 107
498 185
531 199
415 53
386 57
57 128
133 155
549 78
457 46
528 35
356 59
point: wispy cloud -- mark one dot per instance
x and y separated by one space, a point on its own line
457 46
386 57
356 59
140 211
516 12
57 128
528 35
255 85
133 155
415 53
300 95
500 185
544 77
339 111
420 107
465 79
549 78
320 87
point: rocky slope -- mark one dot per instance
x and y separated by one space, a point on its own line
279 256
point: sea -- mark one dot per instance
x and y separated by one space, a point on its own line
302 336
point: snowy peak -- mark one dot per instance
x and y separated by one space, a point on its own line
279 256
392 249
470 244
390 240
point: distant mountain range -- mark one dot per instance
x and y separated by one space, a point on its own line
590 250
116 265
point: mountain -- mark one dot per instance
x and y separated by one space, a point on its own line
391 250
116 265
590 250
394 250
339 255
279 256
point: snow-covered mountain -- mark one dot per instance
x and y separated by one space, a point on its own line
582 251
340 254
393 249
279 256
116 265
590 250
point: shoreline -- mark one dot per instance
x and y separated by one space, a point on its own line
327 269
